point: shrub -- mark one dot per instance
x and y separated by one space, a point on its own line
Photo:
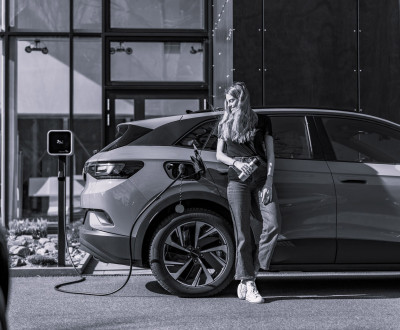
42 260
37 228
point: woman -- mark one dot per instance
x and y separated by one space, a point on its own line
243 136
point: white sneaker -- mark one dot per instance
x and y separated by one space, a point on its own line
252 294
241 291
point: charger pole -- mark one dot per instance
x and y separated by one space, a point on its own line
60 143
61 210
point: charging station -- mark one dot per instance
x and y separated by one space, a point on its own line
60 143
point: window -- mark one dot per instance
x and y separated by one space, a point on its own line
157 61
168 107
155 14
363 141
42 65
204 136
39 15
1 15
87 99
291 138
87 15
37 66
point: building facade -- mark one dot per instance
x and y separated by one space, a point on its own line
88 65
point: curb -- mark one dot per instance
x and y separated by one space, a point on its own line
51 271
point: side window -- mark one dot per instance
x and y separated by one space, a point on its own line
203 136
291 138
363 141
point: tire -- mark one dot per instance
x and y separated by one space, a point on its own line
187 270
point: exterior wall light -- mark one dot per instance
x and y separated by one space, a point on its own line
121 49
35 47
194 51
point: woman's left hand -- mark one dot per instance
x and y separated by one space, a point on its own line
266 195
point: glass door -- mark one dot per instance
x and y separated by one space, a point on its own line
125 106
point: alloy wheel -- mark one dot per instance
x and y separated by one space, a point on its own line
195 253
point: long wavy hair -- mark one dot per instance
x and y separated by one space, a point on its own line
238 123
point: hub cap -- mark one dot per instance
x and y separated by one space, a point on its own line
195 253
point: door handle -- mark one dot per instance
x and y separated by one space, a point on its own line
354 181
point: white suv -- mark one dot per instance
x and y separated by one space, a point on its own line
337 176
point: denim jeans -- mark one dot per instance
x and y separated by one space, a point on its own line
257 225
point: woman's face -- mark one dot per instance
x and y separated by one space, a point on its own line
231 101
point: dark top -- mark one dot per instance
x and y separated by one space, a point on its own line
248 149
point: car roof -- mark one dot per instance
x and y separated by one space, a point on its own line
157 122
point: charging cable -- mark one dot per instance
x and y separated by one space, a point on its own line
58 286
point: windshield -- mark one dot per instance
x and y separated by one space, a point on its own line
127 134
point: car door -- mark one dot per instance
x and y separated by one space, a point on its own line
365 164
306 194
304 187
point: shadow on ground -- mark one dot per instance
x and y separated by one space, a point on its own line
300 288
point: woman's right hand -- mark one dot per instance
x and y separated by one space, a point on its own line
243 167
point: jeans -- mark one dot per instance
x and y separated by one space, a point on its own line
257 225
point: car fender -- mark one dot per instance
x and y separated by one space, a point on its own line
153 216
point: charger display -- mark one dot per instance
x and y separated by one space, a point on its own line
60 143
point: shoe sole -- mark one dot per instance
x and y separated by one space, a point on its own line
240 296
256 302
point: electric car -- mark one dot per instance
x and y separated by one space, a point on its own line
337 177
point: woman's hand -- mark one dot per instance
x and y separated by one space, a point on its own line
266 194
244 167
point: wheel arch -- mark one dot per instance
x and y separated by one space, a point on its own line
143 241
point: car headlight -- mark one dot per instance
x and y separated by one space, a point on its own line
113 170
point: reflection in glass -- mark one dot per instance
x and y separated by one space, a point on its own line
223 34
39 15
87 15
156 14
157 61
38 102
87 76
38 73
87 100
164 108
360 141
124 110
1 15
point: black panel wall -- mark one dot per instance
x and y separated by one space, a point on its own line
380 58
310 53
248 47
341 54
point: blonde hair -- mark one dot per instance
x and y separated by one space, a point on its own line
238 124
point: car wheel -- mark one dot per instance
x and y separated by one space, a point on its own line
193 254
